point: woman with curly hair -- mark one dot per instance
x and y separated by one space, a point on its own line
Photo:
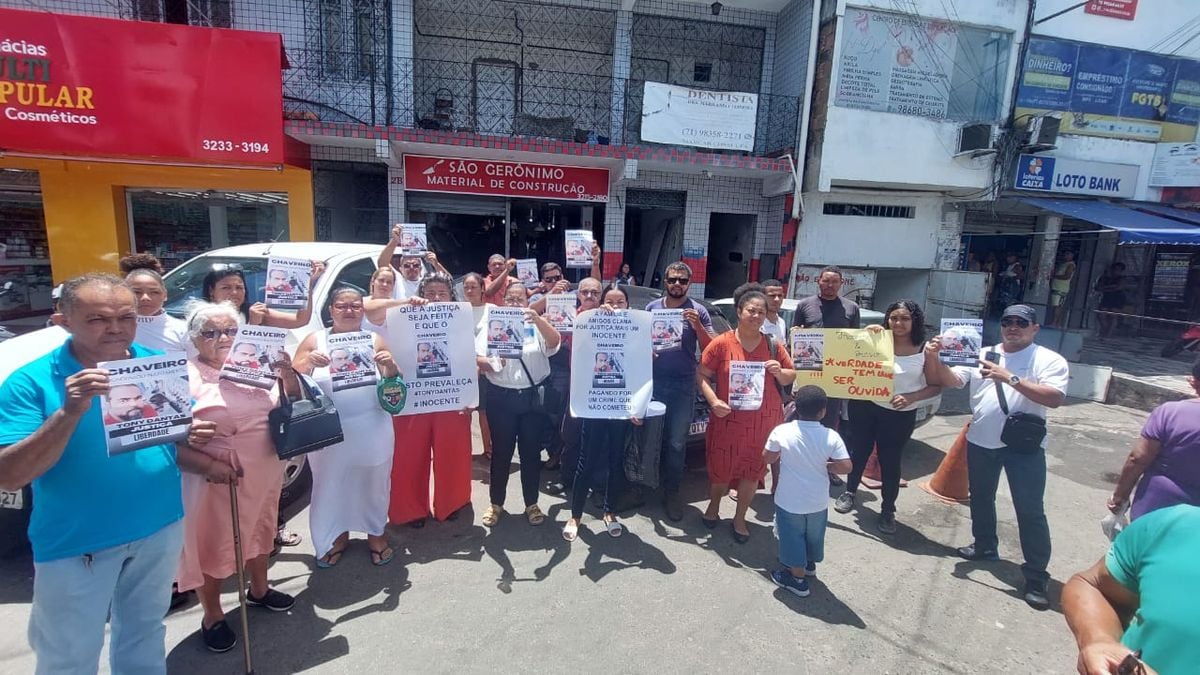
886 426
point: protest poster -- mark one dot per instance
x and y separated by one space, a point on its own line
961 341
527 271
808 348
352 360
254 350
505 331
856 364
611 364
287 283
746 380
413 239
579 248
434 347
666 329
560 311
148 402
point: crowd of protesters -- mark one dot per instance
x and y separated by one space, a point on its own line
160 516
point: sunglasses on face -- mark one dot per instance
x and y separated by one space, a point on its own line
411 266
552 280
214 333
677 281
1009 323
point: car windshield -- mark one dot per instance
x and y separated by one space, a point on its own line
186 282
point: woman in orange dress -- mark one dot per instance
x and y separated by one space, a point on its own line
738 426
242 447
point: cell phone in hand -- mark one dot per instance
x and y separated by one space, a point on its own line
992 356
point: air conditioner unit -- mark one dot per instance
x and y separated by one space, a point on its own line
1041 134
976 140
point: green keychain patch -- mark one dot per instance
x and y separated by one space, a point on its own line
393 394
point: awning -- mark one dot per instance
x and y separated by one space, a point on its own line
1189 217
1136 227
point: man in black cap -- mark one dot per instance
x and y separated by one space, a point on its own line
1016 383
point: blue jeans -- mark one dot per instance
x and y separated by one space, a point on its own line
679 395
73 598
1026 473
801 537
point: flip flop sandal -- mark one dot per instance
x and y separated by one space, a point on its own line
570 532
285 537
614 527
381 558
535 515
331 559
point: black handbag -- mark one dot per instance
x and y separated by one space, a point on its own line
541 397
306 424
1023 432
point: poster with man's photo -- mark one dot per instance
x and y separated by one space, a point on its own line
148 402
746 380
253 352
579 248
961 341
808 349
527 271
287 283
560 311
505 330
666 329
352 360
414 239
434 347
611 364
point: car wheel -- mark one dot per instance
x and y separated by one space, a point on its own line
297 481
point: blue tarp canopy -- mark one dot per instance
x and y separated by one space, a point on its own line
1136 227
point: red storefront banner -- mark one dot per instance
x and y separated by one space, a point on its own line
505 179
85 87
1118 9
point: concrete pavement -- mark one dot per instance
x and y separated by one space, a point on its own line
676 598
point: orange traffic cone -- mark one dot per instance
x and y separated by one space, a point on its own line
872 479
949 482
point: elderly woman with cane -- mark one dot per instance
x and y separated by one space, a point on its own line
242 452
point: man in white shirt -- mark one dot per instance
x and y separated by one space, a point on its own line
774 325
1033 379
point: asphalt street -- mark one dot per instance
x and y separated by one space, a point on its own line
669 597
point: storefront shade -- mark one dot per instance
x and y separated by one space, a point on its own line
84 87
1134 226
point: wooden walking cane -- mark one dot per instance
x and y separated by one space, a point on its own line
237 553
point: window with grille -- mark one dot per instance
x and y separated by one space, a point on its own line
211 13
350 36
869 210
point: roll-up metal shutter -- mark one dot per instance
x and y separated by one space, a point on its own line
441 202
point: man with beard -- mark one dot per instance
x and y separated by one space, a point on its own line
675 380
127 402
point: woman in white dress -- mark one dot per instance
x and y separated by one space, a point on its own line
351 480
155 328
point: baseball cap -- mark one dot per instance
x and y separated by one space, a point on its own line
1021 312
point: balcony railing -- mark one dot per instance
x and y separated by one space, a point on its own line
500 98
493 97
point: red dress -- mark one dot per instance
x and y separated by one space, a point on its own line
735 443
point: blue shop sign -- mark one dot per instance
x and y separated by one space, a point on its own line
1073 176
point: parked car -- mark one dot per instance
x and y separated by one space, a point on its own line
925 411
345 265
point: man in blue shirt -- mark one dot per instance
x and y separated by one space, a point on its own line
675 380
106 531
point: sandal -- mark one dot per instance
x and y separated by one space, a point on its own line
492 515
285 537
535 515
381 558
331 559
615 529
570 532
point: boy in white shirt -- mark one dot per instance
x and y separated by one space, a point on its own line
808 452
